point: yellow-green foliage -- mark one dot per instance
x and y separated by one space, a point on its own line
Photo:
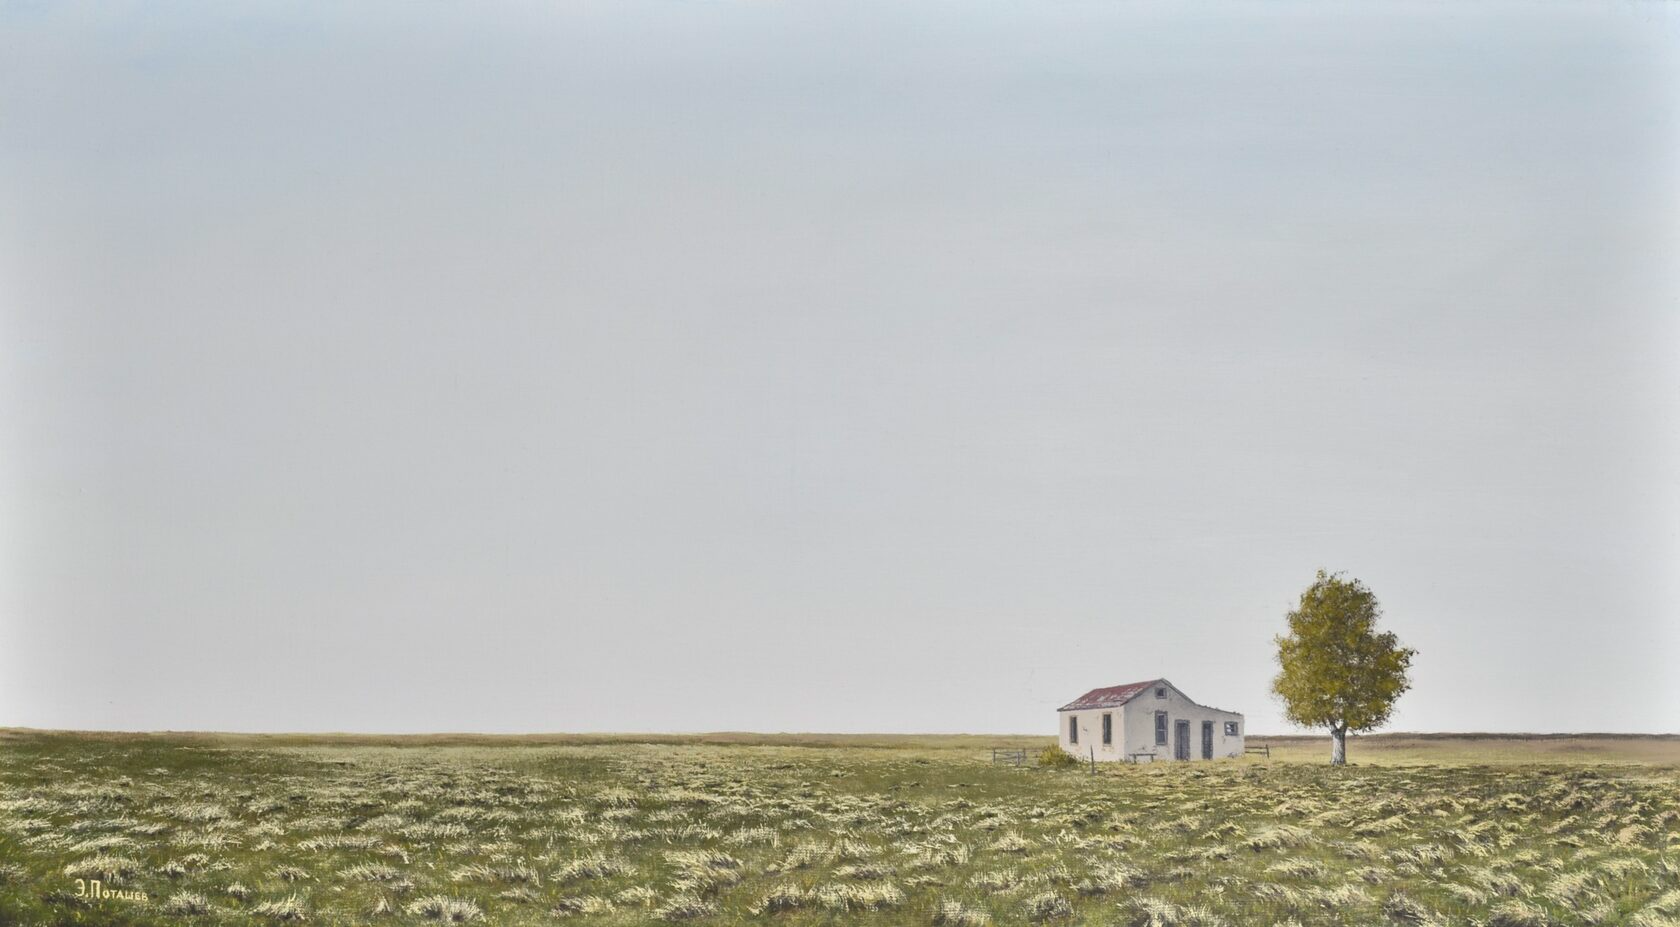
1055 757
1336 669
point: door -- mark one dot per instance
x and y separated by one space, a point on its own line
1181 740
1207 740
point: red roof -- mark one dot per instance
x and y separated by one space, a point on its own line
1111 697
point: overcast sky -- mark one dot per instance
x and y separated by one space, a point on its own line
831 366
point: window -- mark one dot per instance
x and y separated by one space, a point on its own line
1108 728
1160 727
1160 692
1230 729
1073 729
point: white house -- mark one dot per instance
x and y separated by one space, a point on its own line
1148 720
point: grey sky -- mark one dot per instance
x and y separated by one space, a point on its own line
850 367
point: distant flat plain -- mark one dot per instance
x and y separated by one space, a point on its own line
1382 749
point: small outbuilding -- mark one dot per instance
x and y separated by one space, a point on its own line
1149 720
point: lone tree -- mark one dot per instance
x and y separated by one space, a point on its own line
1337 669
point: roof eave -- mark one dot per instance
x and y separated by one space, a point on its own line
1142 688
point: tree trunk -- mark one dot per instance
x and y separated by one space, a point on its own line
1338 746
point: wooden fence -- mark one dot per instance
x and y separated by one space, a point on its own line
1009 756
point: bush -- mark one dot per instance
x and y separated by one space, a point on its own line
1057 758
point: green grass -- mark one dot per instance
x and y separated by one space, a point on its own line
810 829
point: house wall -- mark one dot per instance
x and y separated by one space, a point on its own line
1140 725
1134 728
1090 734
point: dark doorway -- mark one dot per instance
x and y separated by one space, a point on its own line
1207 740
1181 740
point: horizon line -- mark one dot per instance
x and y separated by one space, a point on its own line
626 735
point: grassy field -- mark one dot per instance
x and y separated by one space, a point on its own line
811 829
1479 749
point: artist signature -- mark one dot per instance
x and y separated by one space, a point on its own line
94 889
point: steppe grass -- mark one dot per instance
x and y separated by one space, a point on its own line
618 833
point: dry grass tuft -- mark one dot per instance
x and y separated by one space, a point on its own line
290 908
184 904
685 907
1047 906
446 909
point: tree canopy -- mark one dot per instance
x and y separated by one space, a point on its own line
1337 669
